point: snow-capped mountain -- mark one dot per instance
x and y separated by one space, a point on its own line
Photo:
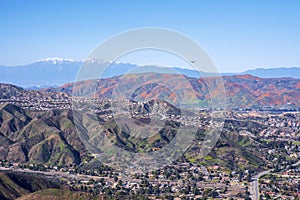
57 60
57 71
50 71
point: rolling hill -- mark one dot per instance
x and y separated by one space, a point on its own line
242 91
14 185
50 137
38 137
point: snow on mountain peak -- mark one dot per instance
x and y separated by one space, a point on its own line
56 60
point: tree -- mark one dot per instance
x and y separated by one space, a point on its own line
249 177
116 179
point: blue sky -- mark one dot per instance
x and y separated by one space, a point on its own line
237 35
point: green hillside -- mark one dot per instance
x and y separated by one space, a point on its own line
14 185
58 194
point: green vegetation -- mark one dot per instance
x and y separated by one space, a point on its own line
14 185
58 194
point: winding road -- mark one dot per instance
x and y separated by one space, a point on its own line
254 186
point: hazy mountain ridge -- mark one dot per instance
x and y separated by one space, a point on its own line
57 71
293 72
43 72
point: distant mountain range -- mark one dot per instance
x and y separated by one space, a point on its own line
242 91
57 71
292 72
